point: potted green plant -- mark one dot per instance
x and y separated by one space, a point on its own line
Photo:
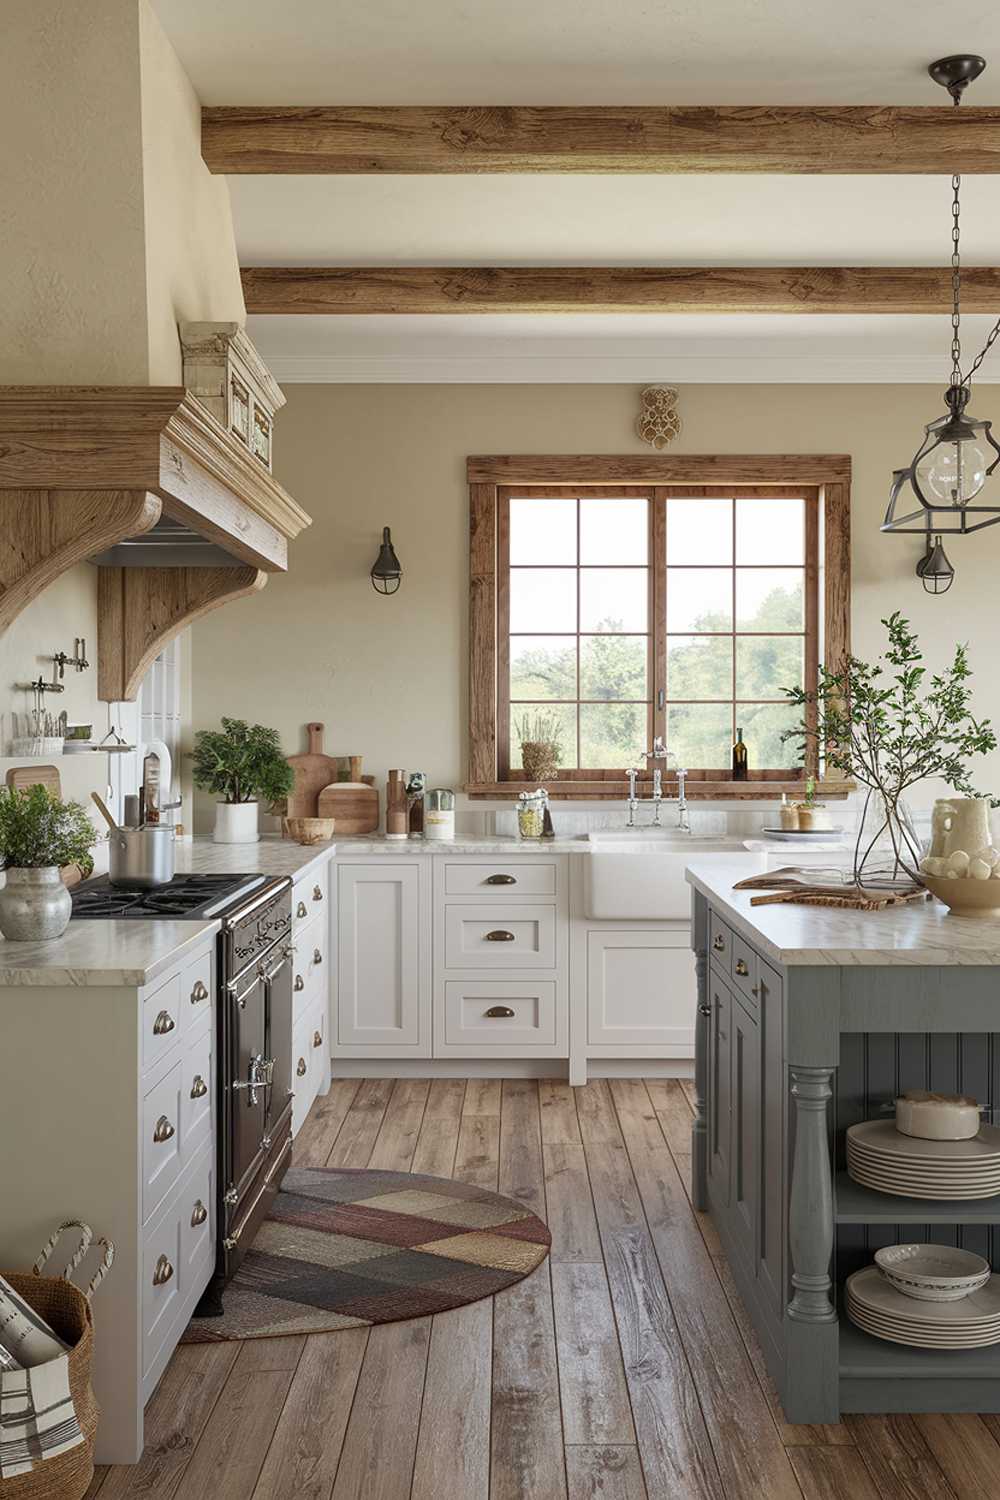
39 834
243 764
540 737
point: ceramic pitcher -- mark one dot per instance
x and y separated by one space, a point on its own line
960 823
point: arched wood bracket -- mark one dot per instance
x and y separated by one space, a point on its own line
46 532
140 609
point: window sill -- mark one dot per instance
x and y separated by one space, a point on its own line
763 789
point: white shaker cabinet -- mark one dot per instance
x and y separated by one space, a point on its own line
383 959
641 991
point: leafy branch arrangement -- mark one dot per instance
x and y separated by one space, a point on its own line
888 725
241 763
37 831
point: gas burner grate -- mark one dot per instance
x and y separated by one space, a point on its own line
185 896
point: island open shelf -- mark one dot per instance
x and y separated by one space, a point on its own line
854 1204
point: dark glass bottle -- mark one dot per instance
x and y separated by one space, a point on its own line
739 758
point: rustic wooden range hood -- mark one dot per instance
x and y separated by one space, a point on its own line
89 472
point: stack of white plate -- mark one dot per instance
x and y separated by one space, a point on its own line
879 1157
877 1307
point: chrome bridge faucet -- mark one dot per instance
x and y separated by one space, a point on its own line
659 752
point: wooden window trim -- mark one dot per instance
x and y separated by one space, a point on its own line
828 589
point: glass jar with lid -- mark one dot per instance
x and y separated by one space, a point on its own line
439 813
531 814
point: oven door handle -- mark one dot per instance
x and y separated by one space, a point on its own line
269 975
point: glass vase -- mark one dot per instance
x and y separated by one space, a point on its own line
887 852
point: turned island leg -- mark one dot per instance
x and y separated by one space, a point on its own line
699 1129
812 1344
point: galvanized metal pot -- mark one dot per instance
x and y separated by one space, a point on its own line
34 905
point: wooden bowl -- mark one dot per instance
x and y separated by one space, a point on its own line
316 830
965 897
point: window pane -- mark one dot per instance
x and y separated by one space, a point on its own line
543 531
543 666
613 598
770 531
530 721
700 531
612 735
763 725
767 664
700 735
770 599
542 599
614 531
699 666
699 599
613 666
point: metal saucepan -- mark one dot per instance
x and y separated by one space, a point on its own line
139 858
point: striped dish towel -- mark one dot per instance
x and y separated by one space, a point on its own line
37 1416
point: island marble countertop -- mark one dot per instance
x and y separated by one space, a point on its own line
922 933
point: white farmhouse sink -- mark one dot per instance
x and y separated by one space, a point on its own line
638 873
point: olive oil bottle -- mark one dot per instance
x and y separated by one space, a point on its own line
739 758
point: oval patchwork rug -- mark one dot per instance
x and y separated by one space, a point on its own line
343 1248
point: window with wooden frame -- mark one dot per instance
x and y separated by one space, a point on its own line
617 599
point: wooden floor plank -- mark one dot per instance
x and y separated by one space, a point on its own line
482 1097
558 1112
522 1172
596 1114
604 1473
748 1449
321 1127
570 1206
358 1134
898 1458
305 1450
176 1417
595 1403
966 1452
438 1139
477 1159
453 1446
228 1458
377 1458
97 1482
397 1138
526 1441
833 1473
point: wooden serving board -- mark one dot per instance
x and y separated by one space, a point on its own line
354 806
313 771
23 777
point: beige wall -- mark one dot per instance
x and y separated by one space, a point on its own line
388 676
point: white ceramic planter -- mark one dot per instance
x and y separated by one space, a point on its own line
236 823
35 906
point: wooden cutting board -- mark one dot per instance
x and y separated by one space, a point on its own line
23 777
354 805
313 771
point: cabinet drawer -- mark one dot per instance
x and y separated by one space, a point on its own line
196 990
499 1013
510 881
196 1208
310 896
162 1282
316 1040
511 937
744 972
311 966
302 1073
197 1092
161 1138
720 942
161 1022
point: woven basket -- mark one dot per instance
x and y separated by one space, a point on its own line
66 1309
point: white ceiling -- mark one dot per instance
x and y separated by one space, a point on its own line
580 52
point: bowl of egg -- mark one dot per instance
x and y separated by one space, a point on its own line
965 882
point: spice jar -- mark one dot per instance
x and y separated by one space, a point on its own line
439 814
531 814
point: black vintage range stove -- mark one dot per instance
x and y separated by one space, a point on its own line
254 1020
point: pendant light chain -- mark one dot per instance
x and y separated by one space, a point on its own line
957 378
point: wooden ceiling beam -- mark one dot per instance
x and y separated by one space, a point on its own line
343 290
865 139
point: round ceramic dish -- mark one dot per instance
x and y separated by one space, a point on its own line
881 1138
979 1310
932 1273
964 895
932 1118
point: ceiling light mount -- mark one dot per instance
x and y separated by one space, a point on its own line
955 73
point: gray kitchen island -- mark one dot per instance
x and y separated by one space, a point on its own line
809 1020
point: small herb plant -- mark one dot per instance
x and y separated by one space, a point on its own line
37 831
241 763
540 728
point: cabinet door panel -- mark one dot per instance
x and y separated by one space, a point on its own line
380 955
719 1085
641 989
746 1126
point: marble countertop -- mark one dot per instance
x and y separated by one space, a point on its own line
922 934
501 844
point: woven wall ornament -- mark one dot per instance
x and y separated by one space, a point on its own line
658 422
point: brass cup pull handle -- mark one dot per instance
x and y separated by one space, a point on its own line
300 1067
300 910
199 993
317 893
741 968
163 1131
199 1088
163 1272
317 1039
198 1214
720 943
317 956
500 936
300 984
164 1023
501 880
500 1012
